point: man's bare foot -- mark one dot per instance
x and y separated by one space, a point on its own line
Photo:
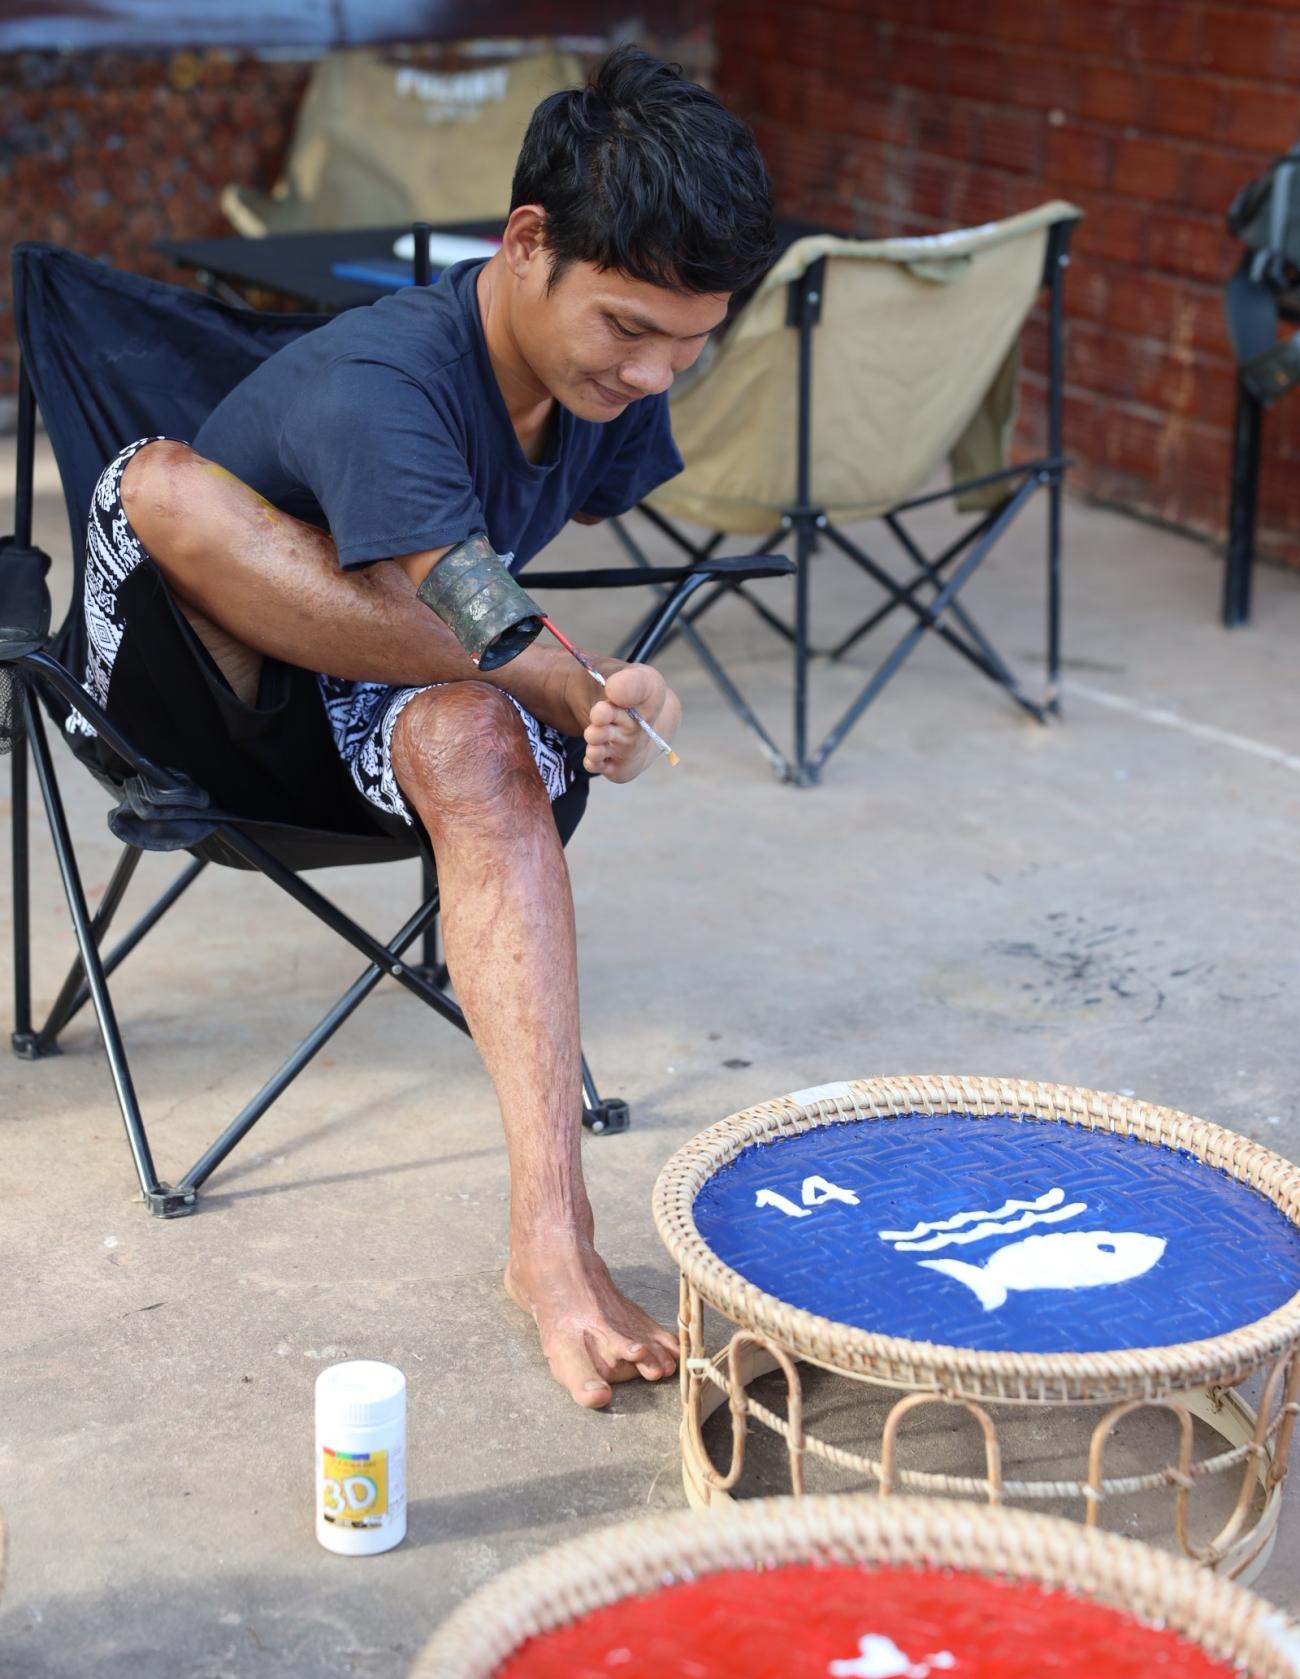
592 1336
616 747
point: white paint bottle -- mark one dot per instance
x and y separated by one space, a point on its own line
360 1458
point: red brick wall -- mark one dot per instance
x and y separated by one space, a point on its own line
883 116
107 151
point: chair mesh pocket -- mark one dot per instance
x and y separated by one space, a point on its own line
11 713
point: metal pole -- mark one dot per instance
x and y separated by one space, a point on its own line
1005 514
1055 398
805 529
22 1034
423 269
123 948
370 947
316 1039
1239 558
117 1063
66 1003
23 492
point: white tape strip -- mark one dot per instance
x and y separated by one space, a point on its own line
820 1093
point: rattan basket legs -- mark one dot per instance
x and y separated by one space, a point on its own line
1252 1444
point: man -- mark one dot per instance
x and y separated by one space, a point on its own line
291 539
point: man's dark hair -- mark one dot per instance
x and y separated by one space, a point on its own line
648 173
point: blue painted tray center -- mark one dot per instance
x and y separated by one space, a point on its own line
1001 1234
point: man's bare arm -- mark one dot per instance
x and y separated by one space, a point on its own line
544 678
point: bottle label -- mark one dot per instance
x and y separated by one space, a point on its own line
355 1488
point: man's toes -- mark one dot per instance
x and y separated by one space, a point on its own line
575 1368
644 1359
641 1357
657 1364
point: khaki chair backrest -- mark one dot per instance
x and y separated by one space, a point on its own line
913 360
377 143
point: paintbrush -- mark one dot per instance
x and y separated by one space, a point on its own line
591 671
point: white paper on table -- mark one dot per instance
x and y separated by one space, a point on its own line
446 248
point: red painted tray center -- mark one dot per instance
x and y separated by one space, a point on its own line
841 1622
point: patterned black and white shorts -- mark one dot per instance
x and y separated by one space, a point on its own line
127 602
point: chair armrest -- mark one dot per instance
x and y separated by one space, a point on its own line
735 568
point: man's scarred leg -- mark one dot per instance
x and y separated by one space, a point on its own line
462 759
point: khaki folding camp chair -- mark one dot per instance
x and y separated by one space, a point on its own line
837 392
377 143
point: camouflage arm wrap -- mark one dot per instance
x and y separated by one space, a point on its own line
481 603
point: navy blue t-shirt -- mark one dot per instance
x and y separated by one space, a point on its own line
387 428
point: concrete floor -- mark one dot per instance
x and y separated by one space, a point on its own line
1107 902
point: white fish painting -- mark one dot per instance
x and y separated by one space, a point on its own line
1066 1259
881 1658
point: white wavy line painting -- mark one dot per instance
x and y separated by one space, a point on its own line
1042 1203
956 1238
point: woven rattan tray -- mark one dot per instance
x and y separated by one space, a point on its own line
1070 1378
643 1558
1191 1380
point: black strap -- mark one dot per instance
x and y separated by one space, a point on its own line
24 598
1267 368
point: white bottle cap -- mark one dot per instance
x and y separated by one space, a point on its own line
363 1392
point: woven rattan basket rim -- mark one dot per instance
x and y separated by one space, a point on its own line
551 1590
1219 1358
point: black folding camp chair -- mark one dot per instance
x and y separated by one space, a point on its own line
110 357
838 390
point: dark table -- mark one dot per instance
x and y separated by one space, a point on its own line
299 264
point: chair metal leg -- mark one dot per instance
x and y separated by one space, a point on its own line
644 640
1055 495
805 537
738 591
982 656
907 645
1240 556
645 647
1058 262
908 591
316 1039
65 1003
160 1199
89 977
76 994
602 1118
993 664
23 1037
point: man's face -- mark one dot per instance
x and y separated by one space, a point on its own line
600 340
